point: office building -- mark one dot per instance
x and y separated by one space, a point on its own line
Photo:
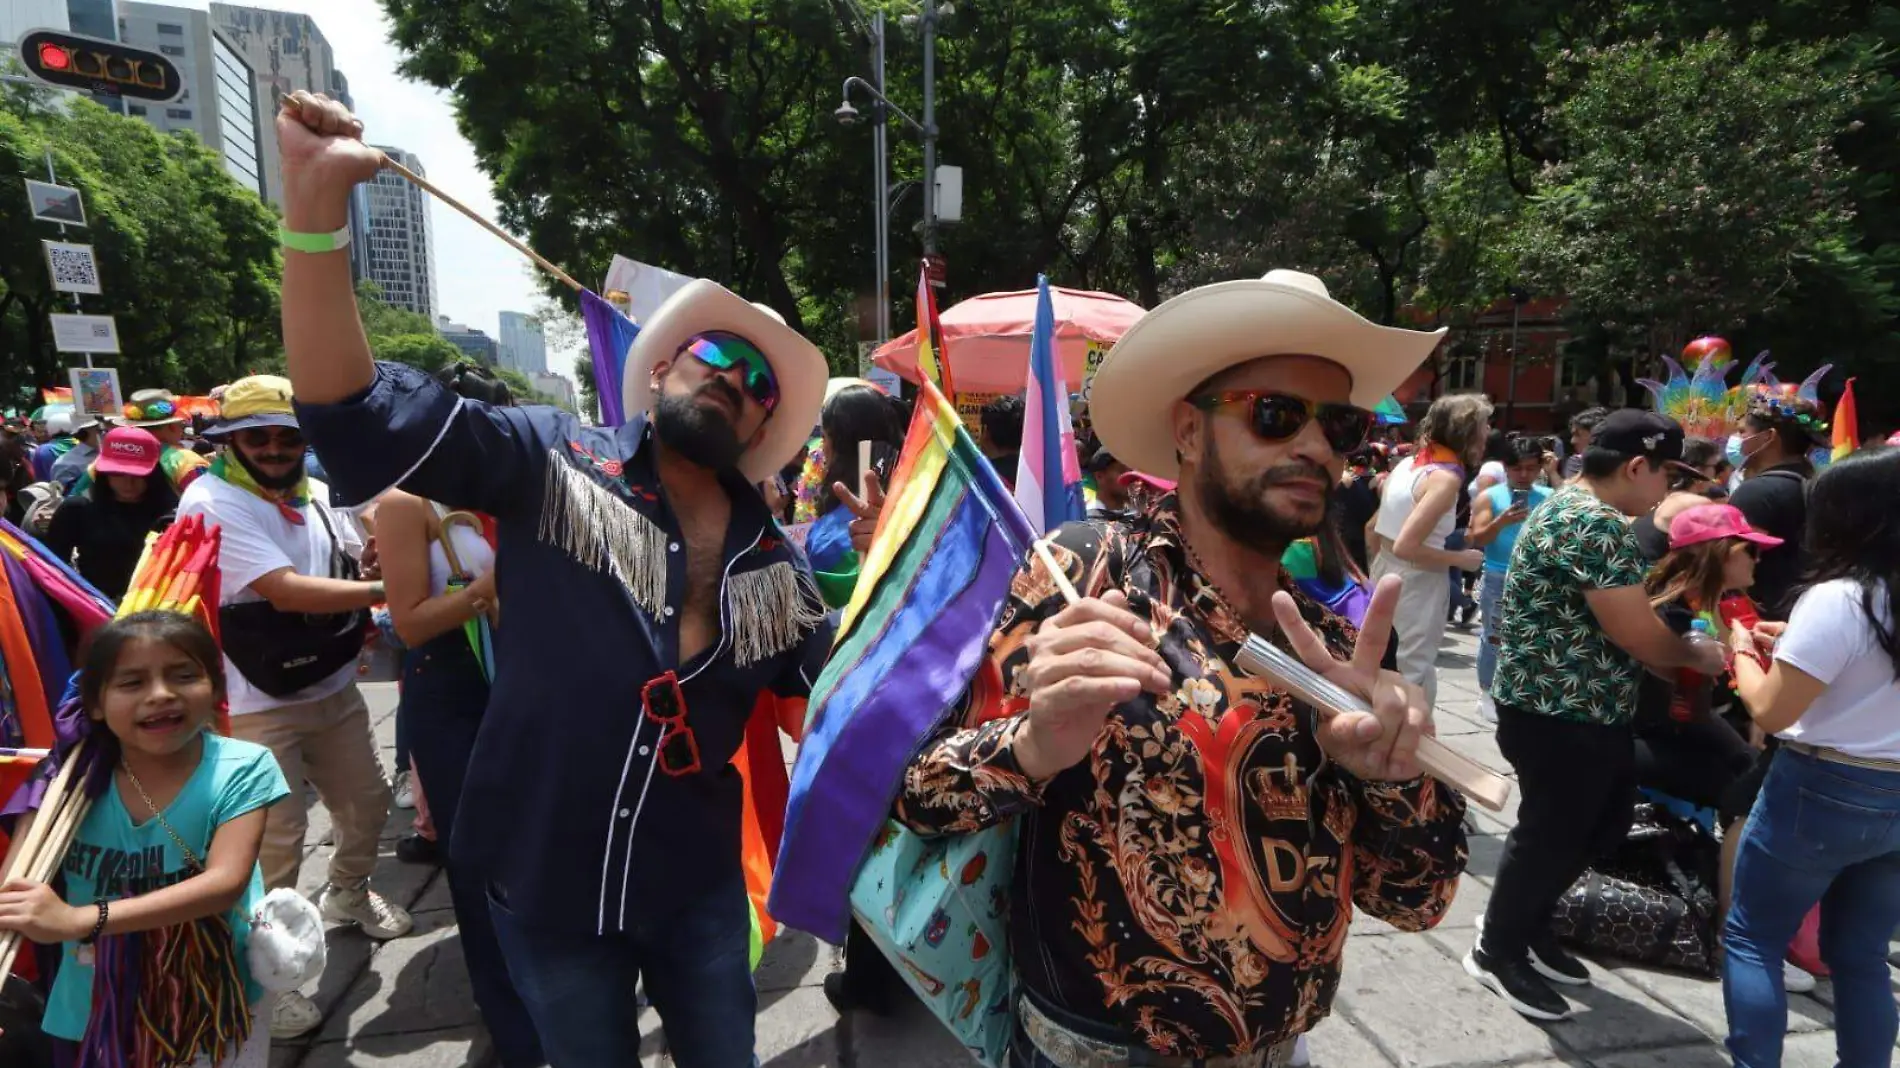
94 18
285 52
401 251
556 387
219 103
19 16
477 345
523 347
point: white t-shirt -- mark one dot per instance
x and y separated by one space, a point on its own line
1829 638
257 539
1494 469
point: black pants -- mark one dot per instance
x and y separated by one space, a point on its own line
1577 788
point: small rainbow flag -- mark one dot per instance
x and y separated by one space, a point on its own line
948 542
933 361
1846 423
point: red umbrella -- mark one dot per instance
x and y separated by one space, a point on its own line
988 338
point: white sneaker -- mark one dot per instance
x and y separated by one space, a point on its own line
1796 981
405 790
376 915
1487 708
1302 1057
293 1016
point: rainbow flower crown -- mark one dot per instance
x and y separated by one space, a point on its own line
1707 406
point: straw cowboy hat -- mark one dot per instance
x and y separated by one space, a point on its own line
150 408
702 306
1205 331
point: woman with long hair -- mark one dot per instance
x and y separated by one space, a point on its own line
1417 510
851 416
440 579
105 527
1826 826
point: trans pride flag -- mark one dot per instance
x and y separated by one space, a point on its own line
918 626
1048 476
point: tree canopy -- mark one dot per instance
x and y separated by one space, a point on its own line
187 257
1663 169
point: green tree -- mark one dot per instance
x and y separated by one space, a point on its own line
187 259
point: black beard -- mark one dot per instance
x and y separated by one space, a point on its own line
1243 514
698 434
271 482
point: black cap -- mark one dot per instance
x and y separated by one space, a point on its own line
1639 432
1100 460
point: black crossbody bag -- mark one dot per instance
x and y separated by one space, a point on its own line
282 653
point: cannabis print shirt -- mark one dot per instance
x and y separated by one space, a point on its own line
1189 884
1553 657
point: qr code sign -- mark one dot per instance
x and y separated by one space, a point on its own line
73 267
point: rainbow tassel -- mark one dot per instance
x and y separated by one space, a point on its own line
162 999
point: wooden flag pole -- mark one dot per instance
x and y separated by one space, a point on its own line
422 183
1438 760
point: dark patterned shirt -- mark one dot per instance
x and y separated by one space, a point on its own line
1189 884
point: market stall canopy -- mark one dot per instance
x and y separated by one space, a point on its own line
988 338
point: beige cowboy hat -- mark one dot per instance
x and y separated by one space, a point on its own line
701 306
1205 331
150 408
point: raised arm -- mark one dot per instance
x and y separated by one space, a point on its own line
324 158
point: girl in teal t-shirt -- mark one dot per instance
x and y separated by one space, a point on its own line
163 867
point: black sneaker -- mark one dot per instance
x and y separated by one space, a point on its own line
1555 963
841 992
1518 984
415 849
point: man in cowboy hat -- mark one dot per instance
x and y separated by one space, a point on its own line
649 601
157 411
279 556
1195 839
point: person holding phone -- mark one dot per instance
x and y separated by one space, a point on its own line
1497 517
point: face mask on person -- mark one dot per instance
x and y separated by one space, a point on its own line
1733 451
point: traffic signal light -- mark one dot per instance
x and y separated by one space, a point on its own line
88 64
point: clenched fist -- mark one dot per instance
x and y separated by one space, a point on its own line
320 146
1093 655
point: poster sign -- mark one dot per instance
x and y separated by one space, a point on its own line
74 269
1096 352
96 392
55 203
85 333
638 289
970 409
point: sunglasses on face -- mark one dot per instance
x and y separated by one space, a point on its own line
255 438
1749 549
1279 416
723 352
665 704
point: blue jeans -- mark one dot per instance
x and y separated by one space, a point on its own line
1459 598
444 696
696 965
1490 593
1828 833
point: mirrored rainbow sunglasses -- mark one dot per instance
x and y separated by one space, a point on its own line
723 352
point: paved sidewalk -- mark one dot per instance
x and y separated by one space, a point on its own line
1404 1000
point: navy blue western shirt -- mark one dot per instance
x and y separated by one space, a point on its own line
567 810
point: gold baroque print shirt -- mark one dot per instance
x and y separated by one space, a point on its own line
1189 884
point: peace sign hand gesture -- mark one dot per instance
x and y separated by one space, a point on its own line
1381 744
866 509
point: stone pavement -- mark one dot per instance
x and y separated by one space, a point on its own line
1404 999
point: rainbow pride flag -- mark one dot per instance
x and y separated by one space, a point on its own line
609 338
918 626
933 362
1846 424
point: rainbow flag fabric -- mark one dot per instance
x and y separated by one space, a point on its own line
918 626
933 363
1846 424
1048 475
609 338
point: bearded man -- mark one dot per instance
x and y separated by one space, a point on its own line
1193 839
648 600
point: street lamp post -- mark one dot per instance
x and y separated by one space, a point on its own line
1518 297
930 127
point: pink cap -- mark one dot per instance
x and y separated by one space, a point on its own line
1712 522
127 450
1133 478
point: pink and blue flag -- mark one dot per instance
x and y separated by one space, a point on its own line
609 338
1048 474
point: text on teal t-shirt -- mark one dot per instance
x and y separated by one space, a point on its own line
1497 555
114 858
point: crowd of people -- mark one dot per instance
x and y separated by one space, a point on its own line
1702 626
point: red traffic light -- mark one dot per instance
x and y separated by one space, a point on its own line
90 65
